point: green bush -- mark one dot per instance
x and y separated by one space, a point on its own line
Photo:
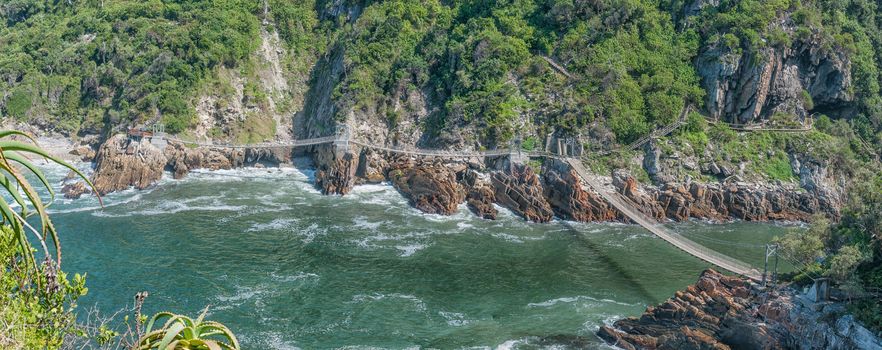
18 104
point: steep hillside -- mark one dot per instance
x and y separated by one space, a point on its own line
465 74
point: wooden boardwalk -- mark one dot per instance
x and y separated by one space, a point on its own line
650 224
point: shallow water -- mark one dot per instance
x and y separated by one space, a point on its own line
286 267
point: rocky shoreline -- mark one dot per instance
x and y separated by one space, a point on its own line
723 312
439 186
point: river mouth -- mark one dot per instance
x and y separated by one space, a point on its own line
286 267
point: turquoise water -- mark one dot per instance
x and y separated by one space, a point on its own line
287 268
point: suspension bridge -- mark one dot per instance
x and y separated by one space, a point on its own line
613 198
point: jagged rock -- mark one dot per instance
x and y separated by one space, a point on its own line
122 163
336 169
372 167
723 312
645 202
182 159
518 188
679 202
85 153
481 195
752 86
75 190
431 188
564 192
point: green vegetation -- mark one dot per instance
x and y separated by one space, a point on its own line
94 65
183 333
848 252
37 300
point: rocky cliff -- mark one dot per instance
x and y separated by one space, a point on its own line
435 185
722 312
748 86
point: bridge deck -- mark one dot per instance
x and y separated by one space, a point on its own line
653 226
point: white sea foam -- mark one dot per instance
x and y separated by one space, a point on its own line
311 232
410 249
277 224
567 300
454 319
363 298
294 278
363 223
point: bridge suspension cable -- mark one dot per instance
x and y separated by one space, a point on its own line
679 241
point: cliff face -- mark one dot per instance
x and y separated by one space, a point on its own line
748 87
722 312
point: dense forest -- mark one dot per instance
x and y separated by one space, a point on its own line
88 66
483 73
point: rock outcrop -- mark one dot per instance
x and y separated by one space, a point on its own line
481 195
182 159
743 201
568 199
517 188
431 188
336 169
122 163
722 312
75 190
751 86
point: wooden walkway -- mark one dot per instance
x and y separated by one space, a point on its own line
684 244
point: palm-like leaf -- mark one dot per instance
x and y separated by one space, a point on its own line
14 165
180 332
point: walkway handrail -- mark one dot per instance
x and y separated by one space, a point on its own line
676 240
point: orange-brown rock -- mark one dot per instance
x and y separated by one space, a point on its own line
481 195
182 159
336 169
568 199
518 188
431 188
122 163
715 313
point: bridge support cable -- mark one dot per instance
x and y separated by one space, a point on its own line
688 246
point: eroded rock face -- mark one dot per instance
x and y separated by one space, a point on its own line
122 163
75 190
750 87
182 159
518 188
568 199
481 195
431 188
750 202
723 312
336 169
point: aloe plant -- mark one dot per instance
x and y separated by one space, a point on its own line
180 332
14 165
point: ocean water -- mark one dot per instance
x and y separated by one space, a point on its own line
287 268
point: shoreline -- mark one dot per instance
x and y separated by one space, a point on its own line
723 312
540 195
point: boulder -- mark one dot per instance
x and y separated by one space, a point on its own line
517 187
430 188
481 195
122 163
75 190
567 197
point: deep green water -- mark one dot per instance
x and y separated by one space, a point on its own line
286 267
